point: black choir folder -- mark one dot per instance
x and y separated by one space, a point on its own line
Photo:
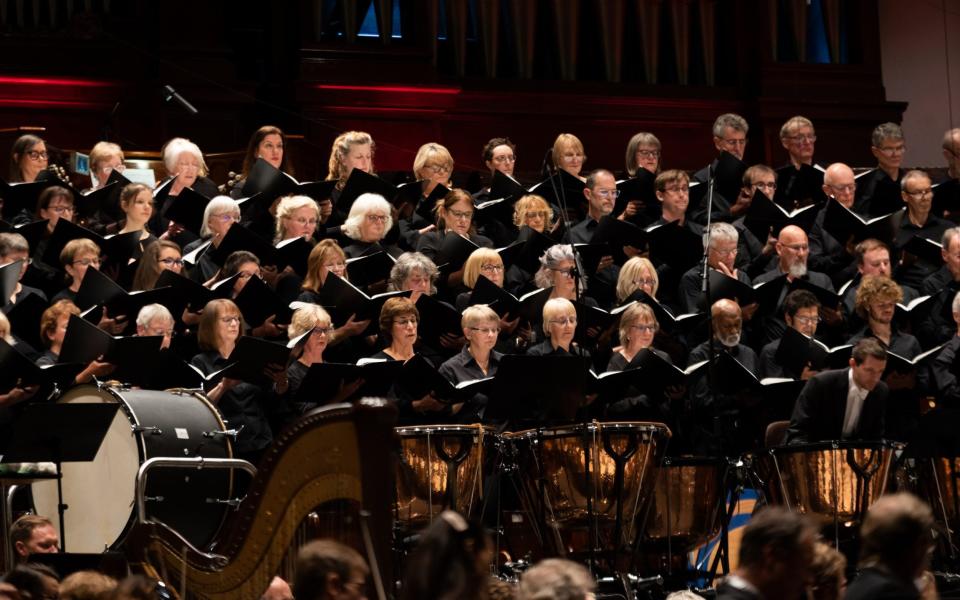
537 388
324 381
16 370
85 342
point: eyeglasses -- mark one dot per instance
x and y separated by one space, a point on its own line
736 143
648 153
645 282
26 261
462 215
61 209
172 261
572 157
437 169
765 185
245 275
405 322
86 262
377 218
678 190
225 218
564 321
161 331
491 268
301 221
565 272
724 251
107 169
644 328
802 139
230 320
504 159
322 330
920 193
890 151
338 266
533 214
607 193
807 320
486 330
37 154
188 165
797 247
843 189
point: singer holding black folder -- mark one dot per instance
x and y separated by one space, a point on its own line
218 217
398 326
559 325
312 318
476 360
244 406
432 166
269 143
638 327
53 330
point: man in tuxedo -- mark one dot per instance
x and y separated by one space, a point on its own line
776 553
895 544
846 403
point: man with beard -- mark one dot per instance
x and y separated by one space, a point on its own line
793 249
848 404
715 424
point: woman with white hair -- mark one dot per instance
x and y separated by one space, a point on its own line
369 221
184 163
557 271
297 216
218 217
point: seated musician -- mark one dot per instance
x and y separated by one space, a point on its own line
33 534
477 359
846 403
801 311
559 325
328 570
14 247
242 404
155 319
53 330
638 326
716 415
399 318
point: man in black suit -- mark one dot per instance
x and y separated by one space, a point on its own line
844 404
776 553
895 542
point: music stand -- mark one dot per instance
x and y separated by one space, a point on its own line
60 433
540 389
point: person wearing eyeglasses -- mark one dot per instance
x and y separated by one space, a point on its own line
245 406
432 166
878 191
793 251
946 194
247 266
559 326
828 254
729 135
476 360
499 154
14 247
218 217
487 263
28 157
672 188
454 216
157 258
801 311
76 257
325 258
156 320
872 258
414 272
798 138
312 318
919 221
721 256
367 225
329 570
755 255
105 158
637 330
297 216
184 163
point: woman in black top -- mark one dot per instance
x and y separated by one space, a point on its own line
477 360
185 165
454 214
312 318
242 404
367 226
218 217
559 325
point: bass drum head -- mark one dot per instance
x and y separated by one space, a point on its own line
99 494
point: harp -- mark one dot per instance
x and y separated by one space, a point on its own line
339 452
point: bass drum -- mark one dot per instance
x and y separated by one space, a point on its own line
100 495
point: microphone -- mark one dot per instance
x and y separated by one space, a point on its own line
546 166
171 94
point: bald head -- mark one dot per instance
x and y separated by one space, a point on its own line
840 184
727 322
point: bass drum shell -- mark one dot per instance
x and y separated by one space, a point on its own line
100 495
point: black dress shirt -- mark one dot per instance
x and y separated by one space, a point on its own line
877 194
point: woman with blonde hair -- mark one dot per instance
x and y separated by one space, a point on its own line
297 216
638 273
568 154
432 166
